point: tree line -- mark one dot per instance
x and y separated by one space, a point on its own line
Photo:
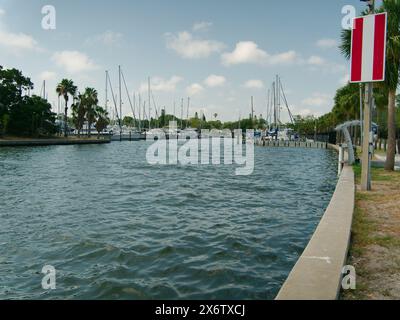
20 113
346 108
196 122
25 115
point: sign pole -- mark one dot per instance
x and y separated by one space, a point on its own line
367 136
361 115
366 156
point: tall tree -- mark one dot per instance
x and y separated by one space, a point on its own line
65 89
91 100
102 120
33 117
79 113
12 86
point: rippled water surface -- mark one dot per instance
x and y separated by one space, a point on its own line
115 227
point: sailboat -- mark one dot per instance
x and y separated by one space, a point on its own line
121 132
276 129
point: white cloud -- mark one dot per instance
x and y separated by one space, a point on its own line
327 43
213 81
249 52
159 84
316 61
202 26
74 61
47 75
318 100
17 42
194 89
254 84
321 65
304 112
108 38
245 52
285 58
189 48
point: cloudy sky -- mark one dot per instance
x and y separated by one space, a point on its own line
218 53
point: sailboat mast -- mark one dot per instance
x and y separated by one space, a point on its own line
120 99
252 110
268 109
187 117
106 102
149 91
182 115
274 104
134 107
278 99
140 112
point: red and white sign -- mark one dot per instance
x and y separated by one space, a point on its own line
368 48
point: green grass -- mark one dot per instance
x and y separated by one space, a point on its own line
365 231
386 241
377 174
362 229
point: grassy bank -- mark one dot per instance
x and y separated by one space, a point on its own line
375 246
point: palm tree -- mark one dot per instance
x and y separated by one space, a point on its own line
91 101
79 112
65 88
102 120
392 7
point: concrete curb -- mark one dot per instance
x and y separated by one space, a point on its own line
318 273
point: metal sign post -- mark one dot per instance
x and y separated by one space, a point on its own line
367 142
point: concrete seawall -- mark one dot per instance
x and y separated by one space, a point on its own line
50 142
317 274
292 144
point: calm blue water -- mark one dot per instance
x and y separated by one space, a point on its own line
116 228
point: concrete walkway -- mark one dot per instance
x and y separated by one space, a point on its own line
318 273
382 159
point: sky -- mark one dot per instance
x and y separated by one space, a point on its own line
218 53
